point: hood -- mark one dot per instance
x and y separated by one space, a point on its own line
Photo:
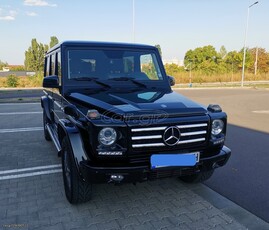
133 104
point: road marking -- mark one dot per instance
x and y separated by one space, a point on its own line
29 169
33 103
30 174
261 111
19 113
21 130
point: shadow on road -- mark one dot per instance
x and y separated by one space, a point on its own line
244 179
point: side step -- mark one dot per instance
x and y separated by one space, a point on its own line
54 139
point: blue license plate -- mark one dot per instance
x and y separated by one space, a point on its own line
173 160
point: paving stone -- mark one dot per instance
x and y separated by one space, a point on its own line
108 225
39 202
125 222
161 224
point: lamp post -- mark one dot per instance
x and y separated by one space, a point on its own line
133 20
244 57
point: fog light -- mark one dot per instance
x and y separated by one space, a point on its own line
116 178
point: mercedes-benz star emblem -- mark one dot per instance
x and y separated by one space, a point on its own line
171 136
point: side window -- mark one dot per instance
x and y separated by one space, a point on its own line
52 64
47 72
59 67
147 65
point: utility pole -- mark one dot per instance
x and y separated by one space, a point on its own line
256 61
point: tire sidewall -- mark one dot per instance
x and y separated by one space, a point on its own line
66 159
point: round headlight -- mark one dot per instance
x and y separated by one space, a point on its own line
107 136
217 127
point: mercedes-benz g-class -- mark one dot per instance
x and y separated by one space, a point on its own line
112 115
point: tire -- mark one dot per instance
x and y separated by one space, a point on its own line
197 178
45 122
76 190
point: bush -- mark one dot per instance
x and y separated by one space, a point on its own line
12 81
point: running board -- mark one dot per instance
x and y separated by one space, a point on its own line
54 139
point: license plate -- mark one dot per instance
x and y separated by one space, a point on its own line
174 160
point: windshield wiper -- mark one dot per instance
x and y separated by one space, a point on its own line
94 79
129 79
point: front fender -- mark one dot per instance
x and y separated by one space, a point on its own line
69 130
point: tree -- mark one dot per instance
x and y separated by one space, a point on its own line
34 56
159 48
204 59
262 62
53 41
3 64
222 52
233 61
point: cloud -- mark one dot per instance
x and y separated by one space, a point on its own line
7 18
10 16
31 14
38 3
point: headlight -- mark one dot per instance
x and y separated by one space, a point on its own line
107 136
217 127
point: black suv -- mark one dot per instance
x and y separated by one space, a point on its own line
110 111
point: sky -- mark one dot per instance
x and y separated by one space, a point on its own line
176 25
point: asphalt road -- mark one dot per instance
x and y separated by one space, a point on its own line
244 179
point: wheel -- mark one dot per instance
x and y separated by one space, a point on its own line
76 190
199 177
45 122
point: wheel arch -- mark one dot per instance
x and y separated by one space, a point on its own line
71 132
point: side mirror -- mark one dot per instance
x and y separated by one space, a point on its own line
71 110
51 82
171 80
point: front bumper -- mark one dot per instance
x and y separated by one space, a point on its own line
94 174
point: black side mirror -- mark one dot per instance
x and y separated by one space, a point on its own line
71 110
171 80
51 82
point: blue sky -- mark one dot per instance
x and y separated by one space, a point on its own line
176 25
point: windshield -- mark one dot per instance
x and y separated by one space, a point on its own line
113 65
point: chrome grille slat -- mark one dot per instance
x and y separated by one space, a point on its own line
147 137
192 126
191 141
149 129
148 145
193 133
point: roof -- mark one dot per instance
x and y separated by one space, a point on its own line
101 44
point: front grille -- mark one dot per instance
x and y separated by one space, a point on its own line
193 134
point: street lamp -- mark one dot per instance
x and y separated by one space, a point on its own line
244 57
133 20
